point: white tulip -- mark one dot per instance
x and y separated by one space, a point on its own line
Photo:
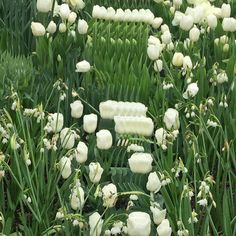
138 224
140 163
158 65
153 52
177 18
82 27
65 167
225 10
135 148
187 63
95 223
186 22
166 37
77 198
229 24
152 40
79 4
64 11
191 91
90 123
171 119
81 152
156 23
165 28
212 21
160 136
194 34
104 139
83 66
109 195
177 3
55 122
76 109
52 27
44 5
158 215
67 137
72 17
178 59
62 27
95 172
164 228
153 183
37 29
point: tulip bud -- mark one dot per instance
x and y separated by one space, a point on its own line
140 163
156 23
153 52
44 5
166 37
164 228
95 172
76 109
72 17
62 27
194 34
90 123
158 65
187 63
95 223
52 27
109 193
64 11
171 119
67 137
81 152
65 167
229 24
212 21
77 198
82 27
158 215
153 184
186 22
178 59
82 66
138 223
37 29
104 139
225 10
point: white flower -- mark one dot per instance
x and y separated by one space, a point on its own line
83 66
171 119
187 63
90 123
82 27
177 18
225 10
229 24
186 22
104 139
79 4
95 223
109 195
138 224
37 29
222 77
135 148
166 37
154 183
76 109
72 17
178 59
164 228
156 23
177 3
140 163
153 52
98 12
212 21
77 198
52 27
62 27
158 65
67 137
55 122
191 91
44 5
152 40
160 136
95 172
64 11
65 167
81 152
158 215
194 34
202 202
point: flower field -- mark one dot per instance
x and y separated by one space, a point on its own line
118 117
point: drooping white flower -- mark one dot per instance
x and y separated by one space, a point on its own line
191 91
83 66
95 172
164 228
37 29
154 183
138 224
76 109
222 77
171 119
109 195
81 152
95 223
140 163
90 123
104 139
82 27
